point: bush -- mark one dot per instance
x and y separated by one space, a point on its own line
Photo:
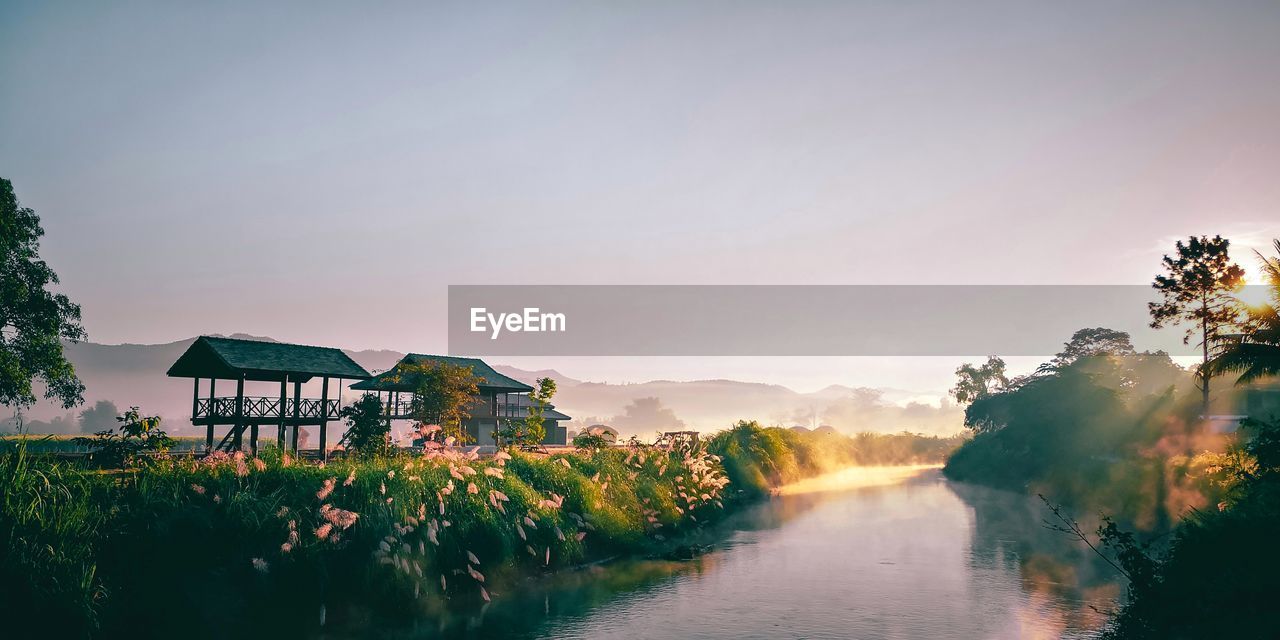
137 436
368 433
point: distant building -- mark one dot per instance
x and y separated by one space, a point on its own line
518 407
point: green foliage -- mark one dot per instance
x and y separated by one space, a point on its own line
33 321
444 395
368 433
978 382
757 458
591 440
135 436
1217 577
1196 290
535 430
51 520
271 540
1082 430
1254 353
1090 343
531 430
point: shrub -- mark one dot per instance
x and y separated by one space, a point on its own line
368 433
136 435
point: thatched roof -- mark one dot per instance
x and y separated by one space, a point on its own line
231 358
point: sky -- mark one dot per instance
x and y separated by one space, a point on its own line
321 172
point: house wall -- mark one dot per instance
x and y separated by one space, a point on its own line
556 433
481 431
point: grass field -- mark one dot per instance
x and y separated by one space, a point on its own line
281 545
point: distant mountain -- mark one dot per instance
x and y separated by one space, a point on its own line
134 374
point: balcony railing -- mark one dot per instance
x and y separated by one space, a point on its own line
402 409
258 408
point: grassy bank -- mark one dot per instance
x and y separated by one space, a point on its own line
1103 434
234 545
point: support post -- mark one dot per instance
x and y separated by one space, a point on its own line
239 424
195 399
253 439
284 396
297 404
324 415
391 409
208 441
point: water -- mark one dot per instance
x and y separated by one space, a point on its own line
866 554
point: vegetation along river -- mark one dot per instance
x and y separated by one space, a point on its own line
865 553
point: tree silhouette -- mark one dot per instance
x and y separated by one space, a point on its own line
100 417
1088 343
1255 352
444 395
975 382
33 321
1197 288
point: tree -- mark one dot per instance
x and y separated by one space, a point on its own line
647 414
1255 352
1197 288
980 381
538 401
102 415
444 395
1090 343
33 321
530 430
367 432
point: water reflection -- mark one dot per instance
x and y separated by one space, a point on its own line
918 558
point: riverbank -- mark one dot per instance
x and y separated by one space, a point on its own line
919 558
272 545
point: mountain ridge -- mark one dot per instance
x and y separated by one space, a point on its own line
133 374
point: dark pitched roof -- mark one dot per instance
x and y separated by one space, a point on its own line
230 358
522 403
490 380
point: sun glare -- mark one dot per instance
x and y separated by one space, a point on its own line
1256 291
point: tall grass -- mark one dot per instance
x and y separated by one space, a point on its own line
757 459
282 545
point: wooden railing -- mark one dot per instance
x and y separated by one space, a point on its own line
257 408
402 409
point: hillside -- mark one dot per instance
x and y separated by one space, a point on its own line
134 374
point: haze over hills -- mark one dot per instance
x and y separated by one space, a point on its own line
134 374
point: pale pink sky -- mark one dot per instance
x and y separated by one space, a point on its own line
321 172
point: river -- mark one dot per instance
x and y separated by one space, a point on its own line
867 553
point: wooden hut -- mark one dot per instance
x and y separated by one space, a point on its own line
231 359
501 397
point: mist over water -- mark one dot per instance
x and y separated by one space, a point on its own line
864 553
